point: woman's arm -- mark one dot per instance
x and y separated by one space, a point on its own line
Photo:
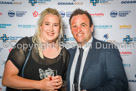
11 79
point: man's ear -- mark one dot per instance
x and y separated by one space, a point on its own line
92 27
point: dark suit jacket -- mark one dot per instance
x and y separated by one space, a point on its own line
103 70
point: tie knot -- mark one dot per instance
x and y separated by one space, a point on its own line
81 50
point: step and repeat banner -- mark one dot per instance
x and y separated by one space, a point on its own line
114 21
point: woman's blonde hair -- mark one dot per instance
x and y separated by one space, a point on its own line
36 37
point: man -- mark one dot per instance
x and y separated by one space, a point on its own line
101 67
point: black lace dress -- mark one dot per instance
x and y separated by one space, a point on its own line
37 68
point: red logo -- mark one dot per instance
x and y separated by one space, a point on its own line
0 89
10 50
97 14
0 14
126 52
35 14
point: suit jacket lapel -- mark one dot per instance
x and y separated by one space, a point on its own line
89 57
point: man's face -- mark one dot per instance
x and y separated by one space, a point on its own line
81 29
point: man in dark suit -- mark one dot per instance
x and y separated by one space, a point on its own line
94 65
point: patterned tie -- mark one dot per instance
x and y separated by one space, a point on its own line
77 70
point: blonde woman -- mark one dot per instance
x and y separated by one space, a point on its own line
47 63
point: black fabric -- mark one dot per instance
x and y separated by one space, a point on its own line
77 70
36 67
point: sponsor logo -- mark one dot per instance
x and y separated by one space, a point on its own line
113 13
125 53
127 65
0 14
4 25
40 2
68 38
62 13
119 44
128 2
70 3
128 39
65 14
10 50
0 88
11 13
26 26
68 13
65 26
106 36
132 79
97 14
4 38
102 26
35 14
125 26
122 13
106 39
10 2
94 2
20 13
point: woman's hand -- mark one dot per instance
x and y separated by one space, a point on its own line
51 83
57 82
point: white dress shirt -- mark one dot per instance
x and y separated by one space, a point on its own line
73 67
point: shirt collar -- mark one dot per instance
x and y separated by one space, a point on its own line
88 44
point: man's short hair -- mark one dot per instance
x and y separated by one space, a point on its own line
81 12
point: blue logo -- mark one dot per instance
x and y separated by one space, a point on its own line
128 39
102 26
113 13
65 14
122 13
33 2
62 13
127 65
42 2
94 2
4 25
11 13
106 36
4 38
68 39
26 26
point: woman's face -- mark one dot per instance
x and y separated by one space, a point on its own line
50 28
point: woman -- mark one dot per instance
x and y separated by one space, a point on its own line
46 58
